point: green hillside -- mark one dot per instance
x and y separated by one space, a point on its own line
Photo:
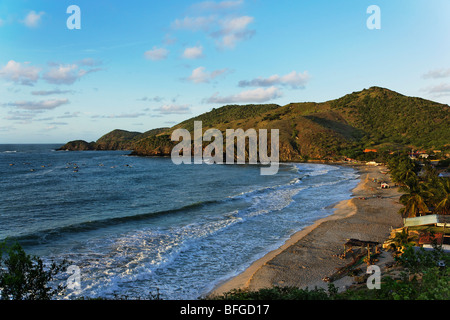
374 118
117 140
114 140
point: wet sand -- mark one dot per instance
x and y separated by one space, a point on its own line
310 254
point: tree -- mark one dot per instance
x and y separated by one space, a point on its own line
401 241
413 199
23 277
443 206
402 168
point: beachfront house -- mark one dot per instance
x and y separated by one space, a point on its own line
431 229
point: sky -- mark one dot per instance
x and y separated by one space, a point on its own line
144 64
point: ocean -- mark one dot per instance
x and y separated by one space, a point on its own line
135 226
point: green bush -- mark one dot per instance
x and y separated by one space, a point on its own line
280 293
425 276
23 277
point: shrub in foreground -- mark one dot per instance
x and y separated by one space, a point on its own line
24 277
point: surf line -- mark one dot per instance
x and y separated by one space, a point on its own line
182 152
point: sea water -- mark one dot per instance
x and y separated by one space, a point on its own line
134 226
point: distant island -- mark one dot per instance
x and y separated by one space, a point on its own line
359 125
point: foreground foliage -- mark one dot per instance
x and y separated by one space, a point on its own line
425 275
24 277
280 293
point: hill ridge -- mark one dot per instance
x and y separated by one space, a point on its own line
374 118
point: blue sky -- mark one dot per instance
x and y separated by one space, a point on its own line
139 65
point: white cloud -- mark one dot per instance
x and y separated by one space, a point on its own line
294 79
25 74
236 24
220 20
193 52
33 19
45 119
199 75
89 62
155 99
156 54
233 30
68 115
38 105
20 73
62 74
66 74
173 109
50 92
194 23
23 116
437 73
256 95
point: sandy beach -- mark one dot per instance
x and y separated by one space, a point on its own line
310 254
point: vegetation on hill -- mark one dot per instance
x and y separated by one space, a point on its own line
387 117
78 145
226 114
117 140
374 118
114 140
153 145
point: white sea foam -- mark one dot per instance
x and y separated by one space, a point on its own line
134 261
167 243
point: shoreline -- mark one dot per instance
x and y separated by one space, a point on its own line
307 256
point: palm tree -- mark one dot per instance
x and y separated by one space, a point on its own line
401 241
403 170
405 174
443 206
413 199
